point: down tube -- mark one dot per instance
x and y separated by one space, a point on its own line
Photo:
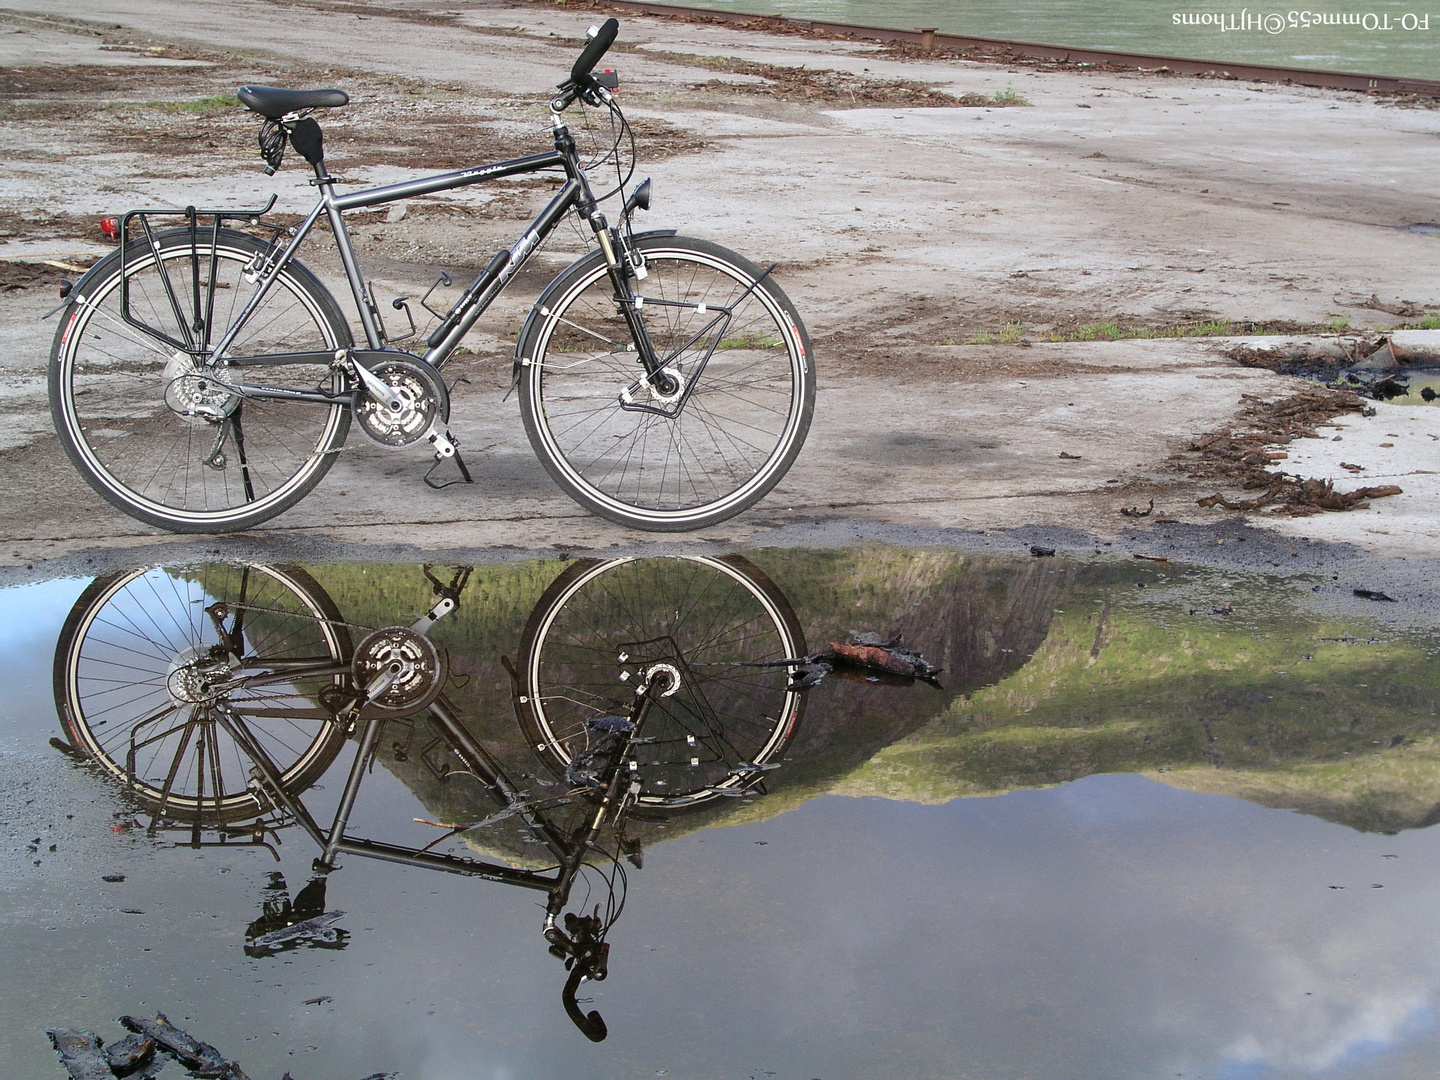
482 294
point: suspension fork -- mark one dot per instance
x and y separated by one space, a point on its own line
624 785
611 247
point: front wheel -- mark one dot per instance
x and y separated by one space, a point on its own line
162 435
713 433
720 625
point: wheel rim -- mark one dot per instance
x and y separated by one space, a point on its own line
709 618
731 439
142 675
124 395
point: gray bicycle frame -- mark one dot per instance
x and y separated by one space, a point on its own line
482 292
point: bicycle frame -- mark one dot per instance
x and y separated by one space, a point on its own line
569 851
575 195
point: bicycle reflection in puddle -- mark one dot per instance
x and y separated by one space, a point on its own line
219 695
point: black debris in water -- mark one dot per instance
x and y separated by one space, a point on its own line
84 1055
80 1053
317 931
1373 594
130 1052
199 1057
807 675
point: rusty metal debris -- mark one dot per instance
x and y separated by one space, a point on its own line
130 1052
202 1059
873 653
865 657
80 1054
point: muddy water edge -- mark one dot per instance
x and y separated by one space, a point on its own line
1151 817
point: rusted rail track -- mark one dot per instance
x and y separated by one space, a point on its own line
928 40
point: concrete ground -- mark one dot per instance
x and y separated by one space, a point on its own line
904 234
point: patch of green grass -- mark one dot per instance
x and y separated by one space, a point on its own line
1116 330
1338 322
750 341
1010 96
1212 328
1430 321
1099 331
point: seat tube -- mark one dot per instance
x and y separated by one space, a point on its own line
352 788
347 259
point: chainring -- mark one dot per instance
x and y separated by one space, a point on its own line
420 675
423 403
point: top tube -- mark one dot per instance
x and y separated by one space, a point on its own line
445 181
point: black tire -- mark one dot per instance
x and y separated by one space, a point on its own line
713 620
137 644
737 433
109 382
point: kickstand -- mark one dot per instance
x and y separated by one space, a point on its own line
446 449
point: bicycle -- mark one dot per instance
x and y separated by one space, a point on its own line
203 380
648 687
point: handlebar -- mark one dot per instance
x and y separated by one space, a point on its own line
594 50
583 84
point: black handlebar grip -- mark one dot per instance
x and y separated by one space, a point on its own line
595 50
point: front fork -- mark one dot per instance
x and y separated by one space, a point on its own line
623 264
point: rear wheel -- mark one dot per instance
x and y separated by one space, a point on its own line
707 439
148 658
159 434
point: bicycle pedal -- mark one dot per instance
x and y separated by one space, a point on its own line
441 459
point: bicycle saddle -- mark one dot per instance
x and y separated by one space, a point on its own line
272 102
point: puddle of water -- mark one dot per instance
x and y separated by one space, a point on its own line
1075 857
1419 383
1424 228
